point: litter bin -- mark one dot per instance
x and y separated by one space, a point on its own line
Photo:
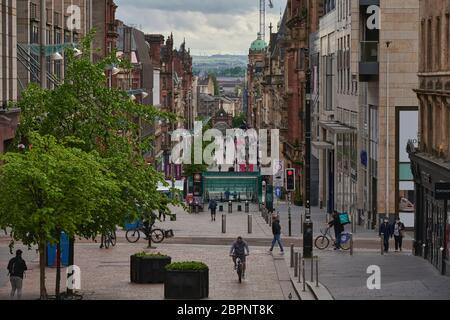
51 252
239 208
221 208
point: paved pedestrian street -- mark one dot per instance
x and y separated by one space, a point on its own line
105 274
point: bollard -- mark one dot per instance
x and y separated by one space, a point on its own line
224 223
382 243
441 262
301 223
247 207
351 244
250 223
303 273
197 208
317 271
423 250
270 220
312 269
239 208
299 267
296 264
230 207
290 224
292 255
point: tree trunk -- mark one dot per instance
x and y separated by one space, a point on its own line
71 259
58 266
42 262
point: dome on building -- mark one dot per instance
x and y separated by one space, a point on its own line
258 44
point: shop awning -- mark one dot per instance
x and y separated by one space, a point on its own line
336 127
322 145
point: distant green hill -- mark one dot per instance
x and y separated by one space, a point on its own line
221 65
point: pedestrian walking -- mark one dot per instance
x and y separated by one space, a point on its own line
16 269
388 231
338 229
399 233
276 230
213 207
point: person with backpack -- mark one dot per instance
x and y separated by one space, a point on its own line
213 207
16 269
338 229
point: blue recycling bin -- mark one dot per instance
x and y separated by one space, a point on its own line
51 252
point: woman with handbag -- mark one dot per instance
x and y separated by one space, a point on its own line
399 233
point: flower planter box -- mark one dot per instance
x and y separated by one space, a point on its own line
148 269
186 284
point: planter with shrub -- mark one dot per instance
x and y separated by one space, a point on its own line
148 267
186 280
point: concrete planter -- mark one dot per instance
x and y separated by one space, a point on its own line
186 284
148 269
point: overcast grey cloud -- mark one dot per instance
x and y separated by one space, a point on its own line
209 26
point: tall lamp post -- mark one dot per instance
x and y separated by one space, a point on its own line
43 43
308 224
388 43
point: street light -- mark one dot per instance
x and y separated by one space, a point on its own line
115 71
388 43
77 52
57 56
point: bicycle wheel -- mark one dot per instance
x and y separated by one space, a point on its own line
113 238
157 235
345 242
133 235
239 272
107 241
322 242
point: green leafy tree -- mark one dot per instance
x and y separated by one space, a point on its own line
100 120
52 188
239 120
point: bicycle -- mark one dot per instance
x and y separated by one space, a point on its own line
239 267
109 238
156 235
323 241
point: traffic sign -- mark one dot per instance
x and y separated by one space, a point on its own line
278 192
278 169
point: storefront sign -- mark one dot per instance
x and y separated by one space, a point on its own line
442 191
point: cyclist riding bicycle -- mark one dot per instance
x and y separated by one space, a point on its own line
238 250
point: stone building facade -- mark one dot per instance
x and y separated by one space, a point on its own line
431 157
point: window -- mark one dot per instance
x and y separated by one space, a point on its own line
34 36
429 46
33 10
438 44
446 43
423 45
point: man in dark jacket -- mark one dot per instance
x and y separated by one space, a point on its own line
338 229
387 231
16 269
213 207
276 230
239 249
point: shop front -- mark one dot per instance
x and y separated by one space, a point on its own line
432 219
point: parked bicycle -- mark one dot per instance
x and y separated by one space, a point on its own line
157 235
323 241
109 239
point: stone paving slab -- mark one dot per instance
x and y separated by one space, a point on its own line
106 273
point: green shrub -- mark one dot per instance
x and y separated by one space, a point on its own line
186 265
144 254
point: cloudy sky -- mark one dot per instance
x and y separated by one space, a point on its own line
209 26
